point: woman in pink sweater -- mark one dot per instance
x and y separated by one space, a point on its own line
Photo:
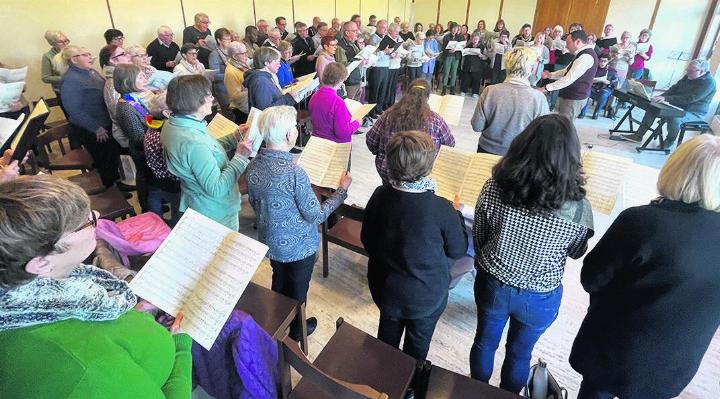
330 117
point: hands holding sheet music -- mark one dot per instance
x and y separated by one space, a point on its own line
244 147
345 180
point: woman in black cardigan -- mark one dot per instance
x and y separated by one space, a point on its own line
654 284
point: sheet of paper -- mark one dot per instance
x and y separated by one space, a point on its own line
357 109
351 66
452 44
221 126
254 131
639 186
499 48
10 93
605 174
13 75
309 76
643 47
210 74
366 52
401 52
473 51
449 107
448 171
8 126
324 161
477 173
369 30
303 87
201 269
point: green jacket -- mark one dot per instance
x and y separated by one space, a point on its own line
209 181
131 357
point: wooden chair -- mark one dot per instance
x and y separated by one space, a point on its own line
354 359
444 384
111 204
78 159
90 182
345 233
51 103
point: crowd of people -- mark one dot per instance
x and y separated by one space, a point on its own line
650 273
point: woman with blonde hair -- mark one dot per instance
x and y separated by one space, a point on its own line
237 64
412 112
655 273
58 41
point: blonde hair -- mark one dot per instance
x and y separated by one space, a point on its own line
519 62
52 36
692 173
134 50
64 58
35 212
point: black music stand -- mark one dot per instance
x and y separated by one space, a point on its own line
656 133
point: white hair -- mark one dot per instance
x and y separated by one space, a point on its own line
393 27
274 124
236 48
691 174
163 29
700 64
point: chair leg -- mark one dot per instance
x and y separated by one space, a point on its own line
681 136
326 267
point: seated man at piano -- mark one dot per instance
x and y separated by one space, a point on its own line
692 93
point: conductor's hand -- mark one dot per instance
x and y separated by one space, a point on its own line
345 180
244 148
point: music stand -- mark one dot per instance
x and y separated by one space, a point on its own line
24 139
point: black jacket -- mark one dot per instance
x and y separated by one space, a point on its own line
409 238
303 66
692 95
654 284
349 51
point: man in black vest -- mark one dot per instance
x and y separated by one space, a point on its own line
303 44
345 54
574 81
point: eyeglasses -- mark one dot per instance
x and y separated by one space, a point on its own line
118 55
121 38
191 53
92 221
82 55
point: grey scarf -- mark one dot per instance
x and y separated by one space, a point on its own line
88 293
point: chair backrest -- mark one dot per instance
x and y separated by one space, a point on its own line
649 83
334 387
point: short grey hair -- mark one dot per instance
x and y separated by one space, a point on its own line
199 16
274 31
519 62
236 48
264 56
393 27
691 174
135 49
163 28
52 36
700 64
124 78
274 123
186 94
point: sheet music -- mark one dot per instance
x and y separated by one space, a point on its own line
351 66
499 48
639 186
366 52
449 171
643 47
605 174
472 51
303 87
13 75
201 269
324 161
309 76
477 173
357 109
452 44
449 107
8 126
10 93
221 126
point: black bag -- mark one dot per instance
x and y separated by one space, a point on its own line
542 385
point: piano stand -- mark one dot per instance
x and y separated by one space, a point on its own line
657 133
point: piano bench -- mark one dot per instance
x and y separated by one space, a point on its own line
697 126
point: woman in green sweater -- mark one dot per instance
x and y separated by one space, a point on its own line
69 330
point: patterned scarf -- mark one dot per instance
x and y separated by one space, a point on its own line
88 294
421 185
196 69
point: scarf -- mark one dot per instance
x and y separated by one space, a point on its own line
420 185
197 69
238 64
87 294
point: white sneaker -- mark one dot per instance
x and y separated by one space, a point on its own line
462 94
476 96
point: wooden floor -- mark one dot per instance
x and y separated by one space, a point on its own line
345 294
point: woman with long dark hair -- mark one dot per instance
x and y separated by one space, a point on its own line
412 112
530 216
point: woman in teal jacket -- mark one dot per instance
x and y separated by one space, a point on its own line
208 179
69 330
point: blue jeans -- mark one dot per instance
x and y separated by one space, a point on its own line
635 74
530 314
600 98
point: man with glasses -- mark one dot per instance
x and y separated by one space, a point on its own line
345 54
273 40
303 44
164 50
196 34
262 27
693 93
281 24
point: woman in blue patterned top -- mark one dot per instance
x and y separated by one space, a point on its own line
531 215
287 210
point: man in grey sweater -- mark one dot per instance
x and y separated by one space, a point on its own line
505 109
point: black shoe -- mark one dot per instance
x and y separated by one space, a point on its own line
311 325
581 116
633 138
444 91
125 187
595 115
452 91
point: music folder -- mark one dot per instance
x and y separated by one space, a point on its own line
24 138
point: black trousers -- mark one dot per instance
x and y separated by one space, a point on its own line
377 88
471 80
413 73
418 332
106 155
292 279
239 116
393 75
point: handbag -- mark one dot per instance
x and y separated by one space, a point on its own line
542 385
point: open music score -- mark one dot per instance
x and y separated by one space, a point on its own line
325 161
201 269
462 174
221 126
639 186
605 174
357 109
449 107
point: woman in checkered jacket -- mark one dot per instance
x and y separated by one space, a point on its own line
531 215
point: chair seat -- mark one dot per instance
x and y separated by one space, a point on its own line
111 204
444 384
90 182
346 233
353 356
77 159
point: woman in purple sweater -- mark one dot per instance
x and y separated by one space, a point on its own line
330 117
